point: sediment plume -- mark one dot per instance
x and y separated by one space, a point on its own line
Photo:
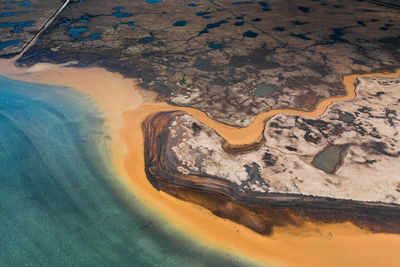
309 244
258 211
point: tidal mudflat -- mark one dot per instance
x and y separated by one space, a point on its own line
62 202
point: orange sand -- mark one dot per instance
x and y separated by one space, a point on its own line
127 106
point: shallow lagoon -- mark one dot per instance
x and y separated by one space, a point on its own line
60 199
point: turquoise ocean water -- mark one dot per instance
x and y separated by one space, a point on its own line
61 203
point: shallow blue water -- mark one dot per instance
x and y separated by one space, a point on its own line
13 13
76 32
153 1
61 203
214 45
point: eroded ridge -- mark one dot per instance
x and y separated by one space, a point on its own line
340 166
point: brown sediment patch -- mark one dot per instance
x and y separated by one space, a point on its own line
310 244
353 252
251 135
308 100
258 211
241 148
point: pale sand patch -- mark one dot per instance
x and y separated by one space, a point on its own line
309 245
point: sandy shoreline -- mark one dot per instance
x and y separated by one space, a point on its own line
125 107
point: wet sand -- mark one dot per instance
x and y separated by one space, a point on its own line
126 106
309 245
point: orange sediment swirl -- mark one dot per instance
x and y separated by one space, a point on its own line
253 132
309 245
236 136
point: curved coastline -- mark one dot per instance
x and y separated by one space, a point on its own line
287 245
281 246
258 211
63 201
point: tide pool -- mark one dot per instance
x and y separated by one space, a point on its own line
61 202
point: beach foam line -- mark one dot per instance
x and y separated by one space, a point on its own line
126 106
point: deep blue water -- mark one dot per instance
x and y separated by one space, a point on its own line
153 1
304 9
17 26
214 45
239 23
204 15
216 24
242 3
179 23
296 22
146 40
61 203
8 43
301 36
250 34
279 29
120 14
265 6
